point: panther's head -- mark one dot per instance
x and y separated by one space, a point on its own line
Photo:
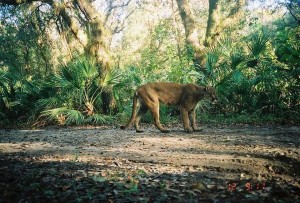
211 93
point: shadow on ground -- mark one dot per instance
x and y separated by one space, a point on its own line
24 180
225 164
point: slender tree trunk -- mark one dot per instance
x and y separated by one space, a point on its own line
211 22
177 34
191 34
97 47
216 24
217 21
99 36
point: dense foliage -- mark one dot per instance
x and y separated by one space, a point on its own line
256 72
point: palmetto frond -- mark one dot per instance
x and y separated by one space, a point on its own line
203 105
236 59
87 67
258 45
77 74
47 103
237 76
74 116
224 46
97 119
3 78
111 78
72 77
10 103
59 81
212 58
63 115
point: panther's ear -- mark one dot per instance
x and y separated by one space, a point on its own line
206 88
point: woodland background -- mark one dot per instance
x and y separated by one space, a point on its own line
74 62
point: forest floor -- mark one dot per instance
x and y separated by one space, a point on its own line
240 163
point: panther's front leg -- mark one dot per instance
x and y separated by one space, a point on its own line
185 119
192 116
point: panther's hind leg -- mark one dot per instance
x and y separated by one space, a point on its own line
142 111
155 113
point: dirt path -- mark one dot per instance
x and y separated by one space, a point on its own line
218 164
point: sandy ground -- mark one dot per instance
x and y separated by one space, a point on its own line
225 161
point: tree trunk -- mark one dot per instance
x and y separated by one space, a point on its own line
216 24
97 47
99 36
191 34
211 22
217 21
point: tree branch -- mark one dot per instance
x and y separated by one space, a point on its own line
118 29
72 24
289 7
18 2
111 7
191 33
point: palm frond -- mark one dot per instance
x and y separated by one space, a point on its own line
31 87
3 78
97 119
47 103
4 81
57 81
74 116
10 104
258 44
238 76
212 58
3 88
235 60
87 68
67 74
73 75
224 45
126 83
53 114
63 115
111 77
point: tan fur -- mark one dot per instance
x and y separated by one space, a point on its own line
185 96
